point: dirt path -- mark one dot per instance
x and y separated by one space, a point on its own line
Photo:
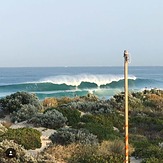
45 141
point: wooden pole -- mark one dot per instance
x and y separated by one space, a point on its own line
126 105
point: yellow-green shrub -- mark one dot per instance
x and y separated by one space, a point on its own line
29 138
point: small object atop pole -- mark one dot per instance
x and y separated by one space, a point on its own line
126 58
126 55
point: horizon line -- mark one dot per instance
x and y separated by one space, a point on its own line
69 66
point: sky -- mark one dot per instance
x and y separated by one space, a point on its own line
43 33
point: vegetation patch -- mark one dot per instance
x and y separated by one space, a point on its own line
27 137
20 153
68 135
72 115
15 101
25 113
99 125
51 119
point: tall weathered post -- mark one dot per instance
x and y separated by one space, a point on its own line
126 58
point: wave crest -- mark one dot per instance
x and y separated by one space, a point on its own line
76 80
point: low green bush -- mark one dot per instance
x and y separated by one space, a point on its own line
66 136
147 151
27 137
147 123
98 159
152 160
52 119
99 125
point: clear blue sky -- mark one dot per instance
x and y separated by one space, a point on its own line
80 32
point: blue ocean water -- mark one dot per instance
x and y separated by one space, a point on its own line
77 81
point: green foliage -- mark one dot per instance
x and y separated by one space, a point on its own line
52 119
138 140
147 123
68 135
96 154
26 112
152 160
27 137
21 156
15 101
99 125
135 101
72 115
154 101
98 159
117 119
147 150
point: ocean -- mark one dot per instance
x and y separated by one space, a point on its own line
77 81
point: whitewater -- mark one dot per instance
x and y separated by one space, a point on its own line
77 81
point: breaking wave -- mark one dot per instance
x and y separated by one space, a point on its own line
77 84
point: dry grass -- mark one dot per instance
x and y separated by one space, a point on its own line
113 147
50 102
62 153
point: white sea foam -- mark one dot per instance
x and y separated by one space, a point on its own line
76 80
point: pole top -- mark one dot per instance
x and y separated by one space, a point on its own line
126 55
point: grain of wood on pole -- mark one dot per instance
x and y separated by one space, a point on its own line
126 105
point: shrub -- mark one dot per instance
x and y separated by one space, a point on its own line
3 129
50 102
88 159
98 159
147 123
147 151
21 155
73 115
66 136
52 119
27 137
64 100
15 101
154 101
138 140
99 125
99 106
63 153
151 160
2 113
26 112
135 101
90 97
117 147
